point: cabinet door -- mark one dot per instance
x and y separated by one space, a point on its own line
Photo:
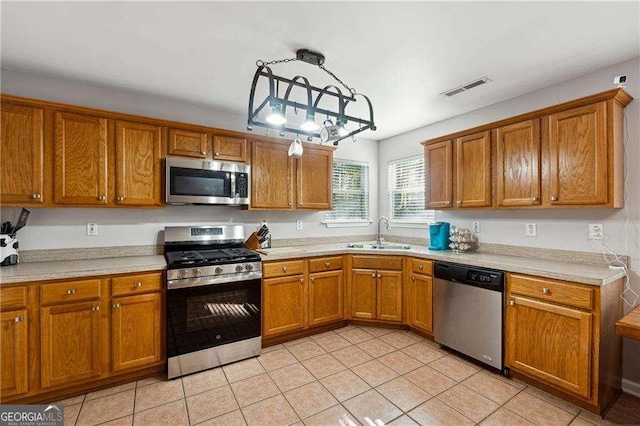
70 343
551 343
136 331
187 143
389 303
438 171
272 172
230 149
21 153
81 159
473 164
421 301
518 165
284 301
363 293
313 183
14 352
578 156
138 164
325 297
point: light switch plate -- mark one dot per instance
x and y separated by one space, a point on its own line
299 225
531 230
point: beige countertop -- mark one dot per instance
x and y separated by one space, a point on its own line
576 272
54 270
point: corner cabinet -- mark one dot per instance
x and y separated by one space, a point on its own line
562 335
280 182
376 288
563 156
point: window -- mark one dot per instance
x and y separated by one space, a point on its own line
350 192
406 191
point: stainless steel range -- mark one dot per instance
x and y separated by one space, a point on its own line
213 298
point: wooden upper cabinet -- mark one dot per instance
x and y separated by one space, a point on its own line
81 166
438 163
138 164
272 176
473 170
14 352
313 183
229 149
578 163
187 143
21 155
518 164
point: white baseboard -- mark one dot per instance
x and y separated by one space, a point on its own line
630 387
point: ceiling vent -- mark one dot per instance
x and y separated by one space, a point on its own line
475 83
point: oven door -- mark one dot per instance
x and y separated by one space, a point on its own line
212 315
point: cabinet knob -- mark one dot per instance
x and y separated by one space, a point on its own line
512 303
534 198
327 264
312 279
101 197
137 284
545 291
448 202
459 202
413 278
18 319
301 280
95 309
205 152
289 203
554 198
217 153
373 275
420 267
71 291
284 269
379 275
35 196
120 198
116 305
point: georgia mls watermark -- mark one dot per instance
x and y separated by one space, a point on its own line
31 415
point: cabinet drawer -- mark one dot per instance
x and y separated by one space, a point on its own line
282 269
378 262
70 291
552 291
13 298
325 264
135 284
420 266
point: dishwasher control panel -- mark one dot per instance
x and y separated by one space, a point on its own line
472 275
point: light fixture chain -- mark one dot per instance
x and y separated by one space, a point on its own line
351 90
278 61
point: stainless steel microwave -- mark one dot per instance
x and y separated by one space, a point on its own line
191 181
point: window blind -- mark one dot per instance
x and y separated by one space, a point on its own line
406 191
350 191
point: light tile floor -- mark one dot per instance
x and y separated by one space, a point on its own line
353 372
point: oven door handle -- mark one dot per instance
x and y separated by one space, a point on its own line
197 282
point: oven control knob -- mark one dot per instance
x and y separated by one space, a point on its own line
196 272
239 268
183 273
249 267
218 270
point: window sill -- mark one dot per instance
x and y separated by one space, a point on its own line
420 225
346 223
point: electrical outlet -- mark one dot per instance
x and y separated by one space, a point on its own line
476 227
596 231
531 230
299 225
92 229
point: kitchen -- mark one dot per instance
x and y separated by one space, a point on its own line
560 229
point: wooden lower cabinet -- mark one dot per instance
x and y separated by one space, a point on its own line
70 348
136 327
420 302
562 335
389 296
363 293
14 360
326 290
376 294
284 304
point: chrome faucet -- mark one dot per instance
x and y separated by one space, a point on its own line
378 238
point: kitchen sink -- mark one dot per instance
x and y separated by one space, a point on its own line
380 246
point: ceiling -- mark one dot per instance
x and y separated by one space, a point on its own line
400 54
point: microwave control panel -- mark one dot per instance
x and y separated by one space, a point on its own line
242 185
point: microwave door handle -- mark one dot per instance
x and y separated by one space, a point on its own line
233 185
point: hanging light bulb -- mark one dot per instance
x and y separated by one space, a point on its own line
310 124
342 131
276 116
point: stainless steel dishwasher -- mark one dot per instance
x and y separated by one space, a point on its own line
468 306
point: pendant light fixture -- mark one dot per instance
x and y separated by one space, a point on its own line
278 103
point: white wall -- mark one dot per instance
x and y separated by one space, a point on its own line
561 229
66 227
